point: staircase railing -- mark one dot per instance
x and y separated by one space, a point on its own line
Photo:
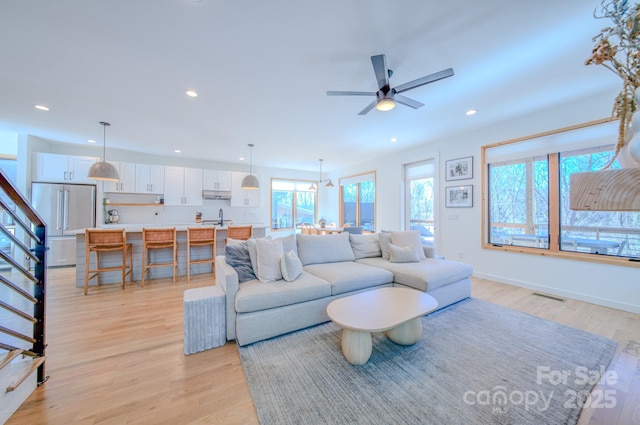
23 333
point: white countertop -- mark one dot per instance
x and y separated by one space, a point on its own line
179 226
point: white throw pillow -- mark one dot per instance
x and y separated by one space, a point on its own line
411 237
269 253
385 240
405 254
290 266
253 254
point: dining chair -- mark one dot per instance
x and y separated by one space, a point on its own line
159 239
354 230
103 241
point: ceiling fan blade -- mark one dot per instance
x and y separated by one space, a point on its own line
368 107
350 93
424 80
408 102
379 63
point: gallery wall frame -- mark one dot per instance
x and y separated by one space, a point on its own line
459 196
459 169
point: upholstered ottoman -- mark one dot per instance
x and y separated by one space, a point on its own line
204 319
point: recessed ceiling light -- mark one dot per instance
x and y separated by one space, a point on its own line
41 107
91 141
177 151
191 93
241 158
472 112
394 139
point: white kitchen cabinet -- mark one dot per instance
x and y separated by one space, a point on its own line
127 176
182 186
216 180
150 179
241 197
53 167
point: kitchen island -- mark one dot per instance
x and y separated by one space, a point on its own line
134 237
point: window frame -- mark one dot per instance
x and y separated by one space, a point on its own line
357 179
294 204
553 249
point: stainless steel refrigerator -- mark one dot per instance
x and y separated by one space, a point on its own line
66 209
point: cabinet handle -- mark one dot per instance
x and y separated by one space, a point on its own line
148 189
151 187
70 175
65 174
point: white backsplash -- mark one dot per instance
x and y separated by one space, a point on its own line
162 214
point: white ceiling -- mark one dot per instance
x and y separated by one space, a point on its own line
262 68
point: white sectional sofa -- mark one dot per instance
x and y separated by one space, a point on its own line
280 285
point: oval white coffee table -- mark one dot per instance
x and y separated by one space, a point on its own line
395 311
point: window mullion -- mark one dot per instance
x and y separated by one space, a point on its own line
554 202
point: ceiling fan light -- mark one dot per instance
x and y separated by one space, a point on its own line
385 104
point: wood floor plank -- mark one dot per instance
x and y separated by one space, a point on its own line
116 356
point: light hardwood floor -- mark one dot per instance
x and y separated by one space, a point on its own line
116 357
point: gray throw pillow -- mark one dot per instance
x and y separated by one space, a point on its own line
365 246
237 256
291 266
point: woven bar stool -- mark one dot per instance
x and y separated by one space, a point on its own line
103 241
200 236
239 232
163 238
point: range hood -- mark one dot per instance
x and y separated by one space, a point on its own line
216 194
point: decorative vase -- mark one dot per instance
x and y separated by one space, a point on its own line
322 222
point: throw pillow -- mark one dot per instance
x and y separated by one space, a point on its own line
405 254
365 246
411 237
385 240
237 256
269 252
290 266
289 243
253 254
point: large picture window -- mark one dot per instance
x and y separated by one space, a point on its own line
527 184
358 201
293 202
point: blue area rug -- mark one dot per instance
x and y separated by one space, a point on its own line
476 363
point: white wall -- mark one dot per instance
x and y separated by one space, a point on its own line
459 232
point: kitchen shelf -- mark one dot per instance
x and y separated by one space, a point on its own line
128 204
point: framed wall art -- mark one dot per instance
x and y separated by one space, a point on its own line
459 169
459 196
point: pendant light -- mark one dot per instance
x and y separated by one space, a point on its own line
313 185
103 170
250 182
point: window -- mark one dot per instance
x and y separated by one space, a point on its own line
358 201
292 203
528 196
419 198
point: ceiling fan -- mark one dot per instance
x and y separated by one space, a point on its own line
386 97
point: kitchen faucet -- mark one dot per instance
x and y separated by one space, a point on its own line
221 216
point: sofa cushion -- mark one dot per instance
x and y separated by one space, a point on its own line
365 246
290 266
410 237
255 296
315 249
406 254
425 275
289 243
237 256
349 276
269 253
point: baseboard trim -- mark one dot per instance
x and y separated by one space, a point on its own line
560 293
